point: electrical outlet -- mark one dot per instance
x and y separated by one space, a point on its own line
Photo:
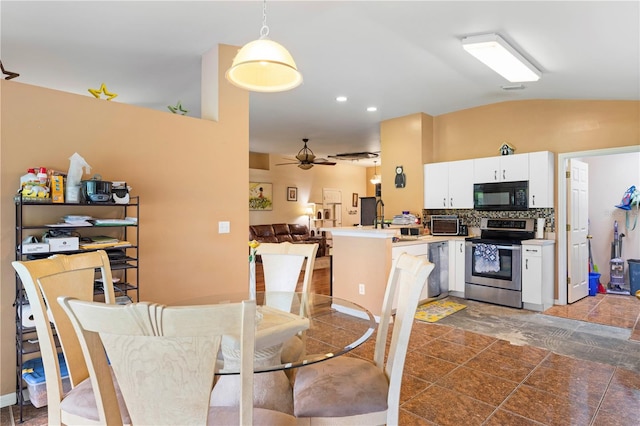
361 288
224 227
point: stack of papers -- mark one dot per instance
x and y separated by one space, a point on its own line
114 222
94 246
74 220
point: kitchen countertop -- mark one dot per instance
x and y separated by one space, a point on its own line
370 232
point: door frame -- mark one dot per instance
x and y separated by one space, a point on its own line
561 211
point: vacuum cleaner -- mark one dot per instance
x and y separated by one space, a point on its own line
616 264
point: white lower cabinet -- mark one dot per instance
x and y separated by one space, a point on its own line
456 267
538 274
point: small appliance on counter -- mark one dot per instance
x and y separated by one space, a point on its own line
96 190
445 225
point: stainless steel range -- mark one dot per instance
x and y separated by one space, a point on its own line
493 267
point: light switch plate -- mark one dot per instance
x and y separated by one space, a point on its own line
224 227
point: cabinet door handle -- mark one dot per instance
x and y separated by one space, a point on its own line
533 200
495 175
460 248
444 202
504 174
526 264
451 201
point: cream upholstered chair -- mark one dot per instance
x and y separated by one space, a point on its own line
165 357
281 263
347 390
83 404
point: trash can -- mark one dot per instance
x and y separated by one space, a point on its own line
634 275
594 279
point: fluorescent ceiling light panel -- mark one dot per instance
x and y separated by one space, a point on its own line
497 54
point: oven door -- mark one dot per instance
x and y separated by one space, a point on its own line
500 267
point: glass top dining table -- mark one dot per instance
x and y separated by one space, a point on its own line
331 326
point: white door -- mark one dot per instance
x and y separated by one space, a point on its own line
577 221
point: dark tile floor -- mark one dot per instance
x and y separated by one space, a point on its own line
491 365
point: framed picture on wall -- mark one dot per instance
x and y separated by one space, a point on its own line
292 193
354 199
260 196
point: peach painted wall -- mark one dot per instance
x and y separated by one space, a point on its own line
359 260
542 125
403 142
189 174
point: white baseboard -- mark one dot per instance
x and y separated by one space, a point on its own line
7 400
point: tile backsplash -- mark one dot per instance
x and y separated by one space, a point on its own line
471 217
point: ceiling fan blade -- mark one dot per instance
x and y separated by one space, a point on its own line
324 163
286 164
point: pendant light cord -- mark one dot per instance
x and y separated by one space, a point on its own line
264 31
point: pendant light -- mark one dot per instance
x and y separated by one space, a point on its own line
264 65
376 179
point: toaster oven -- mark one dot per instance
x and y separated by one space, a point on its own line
445 225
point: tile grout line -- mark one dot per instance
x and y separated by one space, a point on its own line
595 413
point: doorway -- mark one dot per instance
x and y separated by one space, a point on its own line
561 216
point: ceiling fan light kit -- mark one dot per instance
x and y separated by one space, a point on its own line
264 65
307 159
497 54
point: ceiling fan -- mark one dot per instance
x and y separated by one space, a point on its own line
306 158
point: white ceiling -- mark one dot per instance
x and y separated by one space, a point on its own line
402 56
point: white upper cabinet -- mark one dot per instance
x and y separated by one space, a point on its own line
448 185
503 168
436 185
541 179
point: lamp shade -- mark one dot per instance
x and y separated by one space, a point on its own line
264 66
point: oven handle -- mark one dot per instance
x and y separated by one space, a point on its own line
512 248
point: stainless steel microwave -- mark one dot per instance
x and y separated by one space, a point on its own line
501 196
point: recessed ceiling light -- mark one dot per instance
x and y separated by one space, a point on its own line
372 109
341 99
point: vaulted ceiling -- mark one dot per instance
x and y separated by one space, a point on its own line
402 57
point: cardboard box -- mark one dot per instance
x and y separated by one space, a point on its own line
62 244
57 189
33 375
35 248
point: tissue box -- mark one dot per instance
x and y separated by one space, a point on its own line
35 248
33 375
63 243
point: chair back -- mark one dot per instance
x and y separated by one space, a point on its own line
406 281
44 308
164 357
282 263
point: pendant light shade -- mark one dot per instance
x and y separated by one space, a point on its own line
264 65
376 179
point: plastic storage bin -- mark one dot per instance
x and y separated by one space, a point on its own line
634 275
594 279
33 375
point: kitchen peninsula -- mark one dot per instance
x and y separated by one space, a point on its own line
362 259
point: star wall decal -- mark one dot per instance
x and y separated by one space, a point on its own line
103 90
9 74
178 109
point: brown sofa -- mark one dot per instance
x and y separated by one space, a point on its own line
282 232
